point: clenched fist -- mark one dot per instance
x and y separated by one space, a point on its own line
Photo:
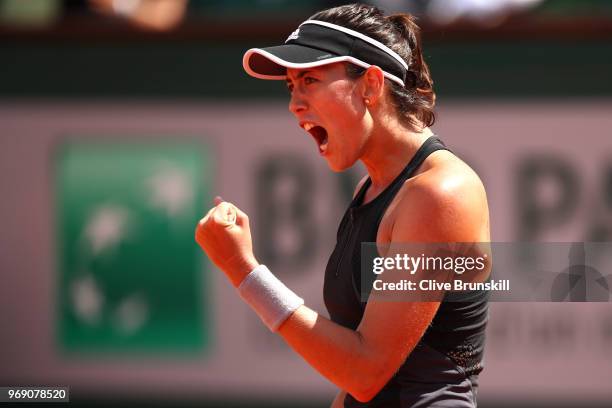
225 236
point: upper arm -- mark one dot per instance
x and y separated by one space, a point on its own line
431 212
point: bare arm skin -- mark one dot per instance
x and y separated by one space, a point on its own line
362 361
444 204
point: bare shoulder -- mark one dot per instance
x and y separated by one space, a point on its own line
447 180
445 202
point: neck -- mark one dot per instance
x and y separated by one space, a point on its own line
391 147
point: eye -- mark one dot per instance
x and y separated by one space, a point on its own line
309 80
290 87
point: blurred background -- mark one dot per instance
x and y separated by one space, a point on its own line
121 119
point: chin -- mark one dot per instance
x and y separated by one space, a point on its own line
339 167
335 169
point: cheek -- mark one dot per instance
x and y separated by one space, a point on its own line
343 110
346 111
345 95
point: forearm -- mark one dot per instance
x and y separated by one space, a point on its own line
357 361
339 354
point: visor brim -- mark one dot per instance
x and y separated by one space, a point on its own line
272 62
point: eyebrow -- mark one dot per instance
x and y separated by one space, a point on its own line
298 76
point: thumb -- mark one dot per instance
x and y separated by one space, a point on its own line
225 213
218 200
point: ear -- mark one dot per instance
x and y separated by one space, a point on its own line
373 82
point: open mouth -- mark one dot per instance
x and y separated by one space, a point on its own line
319 134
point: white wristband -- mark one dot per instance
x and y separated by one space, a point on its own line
269 297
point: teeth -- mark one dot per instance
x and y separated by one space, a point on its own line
308 126
323 146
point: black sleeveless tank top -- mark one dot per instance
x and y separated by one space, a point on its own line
449 356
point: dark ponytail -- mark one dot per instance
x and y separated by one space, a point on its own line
419 85
416 100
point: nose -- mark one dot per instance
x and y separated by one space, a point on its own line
297 104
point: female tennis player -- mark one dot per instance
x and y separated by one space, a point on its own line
360 86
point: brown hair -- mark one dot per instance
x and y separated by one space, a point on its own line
415 101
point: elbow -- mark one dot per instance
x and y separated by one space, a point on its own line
370 373
365 394
369 387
